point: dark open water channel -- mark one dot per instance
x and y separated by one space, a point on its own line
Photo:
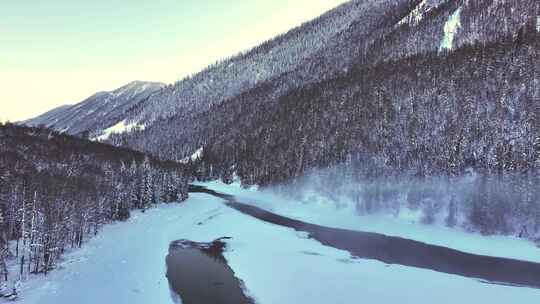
198 273
395 250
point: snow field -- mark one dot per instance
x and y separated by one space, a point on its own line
126 264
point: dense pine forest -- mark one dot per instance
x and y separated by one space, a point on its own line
367 35
428 114
56 190
405 107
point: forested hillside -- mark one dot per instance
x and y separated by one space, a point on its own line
383 34
318 50
56 190
438 92
477 107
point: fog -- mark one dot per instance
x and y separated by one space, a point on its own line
482 202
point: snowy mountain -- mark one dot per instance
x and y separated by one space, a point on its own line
101 113
320 49
317 50
357 80
355 34
224 105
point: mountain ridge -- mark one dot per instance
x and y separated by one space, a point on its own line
356 34
99 111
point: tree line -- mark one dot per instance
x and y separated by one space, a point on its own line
57 190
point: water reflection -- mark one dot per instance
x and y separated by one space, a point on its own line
198 274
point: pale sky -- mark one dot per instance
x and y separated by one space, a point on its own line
55 52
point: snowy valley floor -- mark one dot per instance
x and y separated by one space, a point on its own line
126 262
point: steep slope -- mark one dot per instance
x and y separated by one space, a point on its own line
98 112
358 32
385 34
321 49
299 52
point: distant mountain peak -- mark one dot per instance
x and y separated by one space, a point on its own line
138 86
99 111
140 83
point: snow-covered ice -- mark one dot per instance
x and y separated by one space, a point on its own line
450 29
126 264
